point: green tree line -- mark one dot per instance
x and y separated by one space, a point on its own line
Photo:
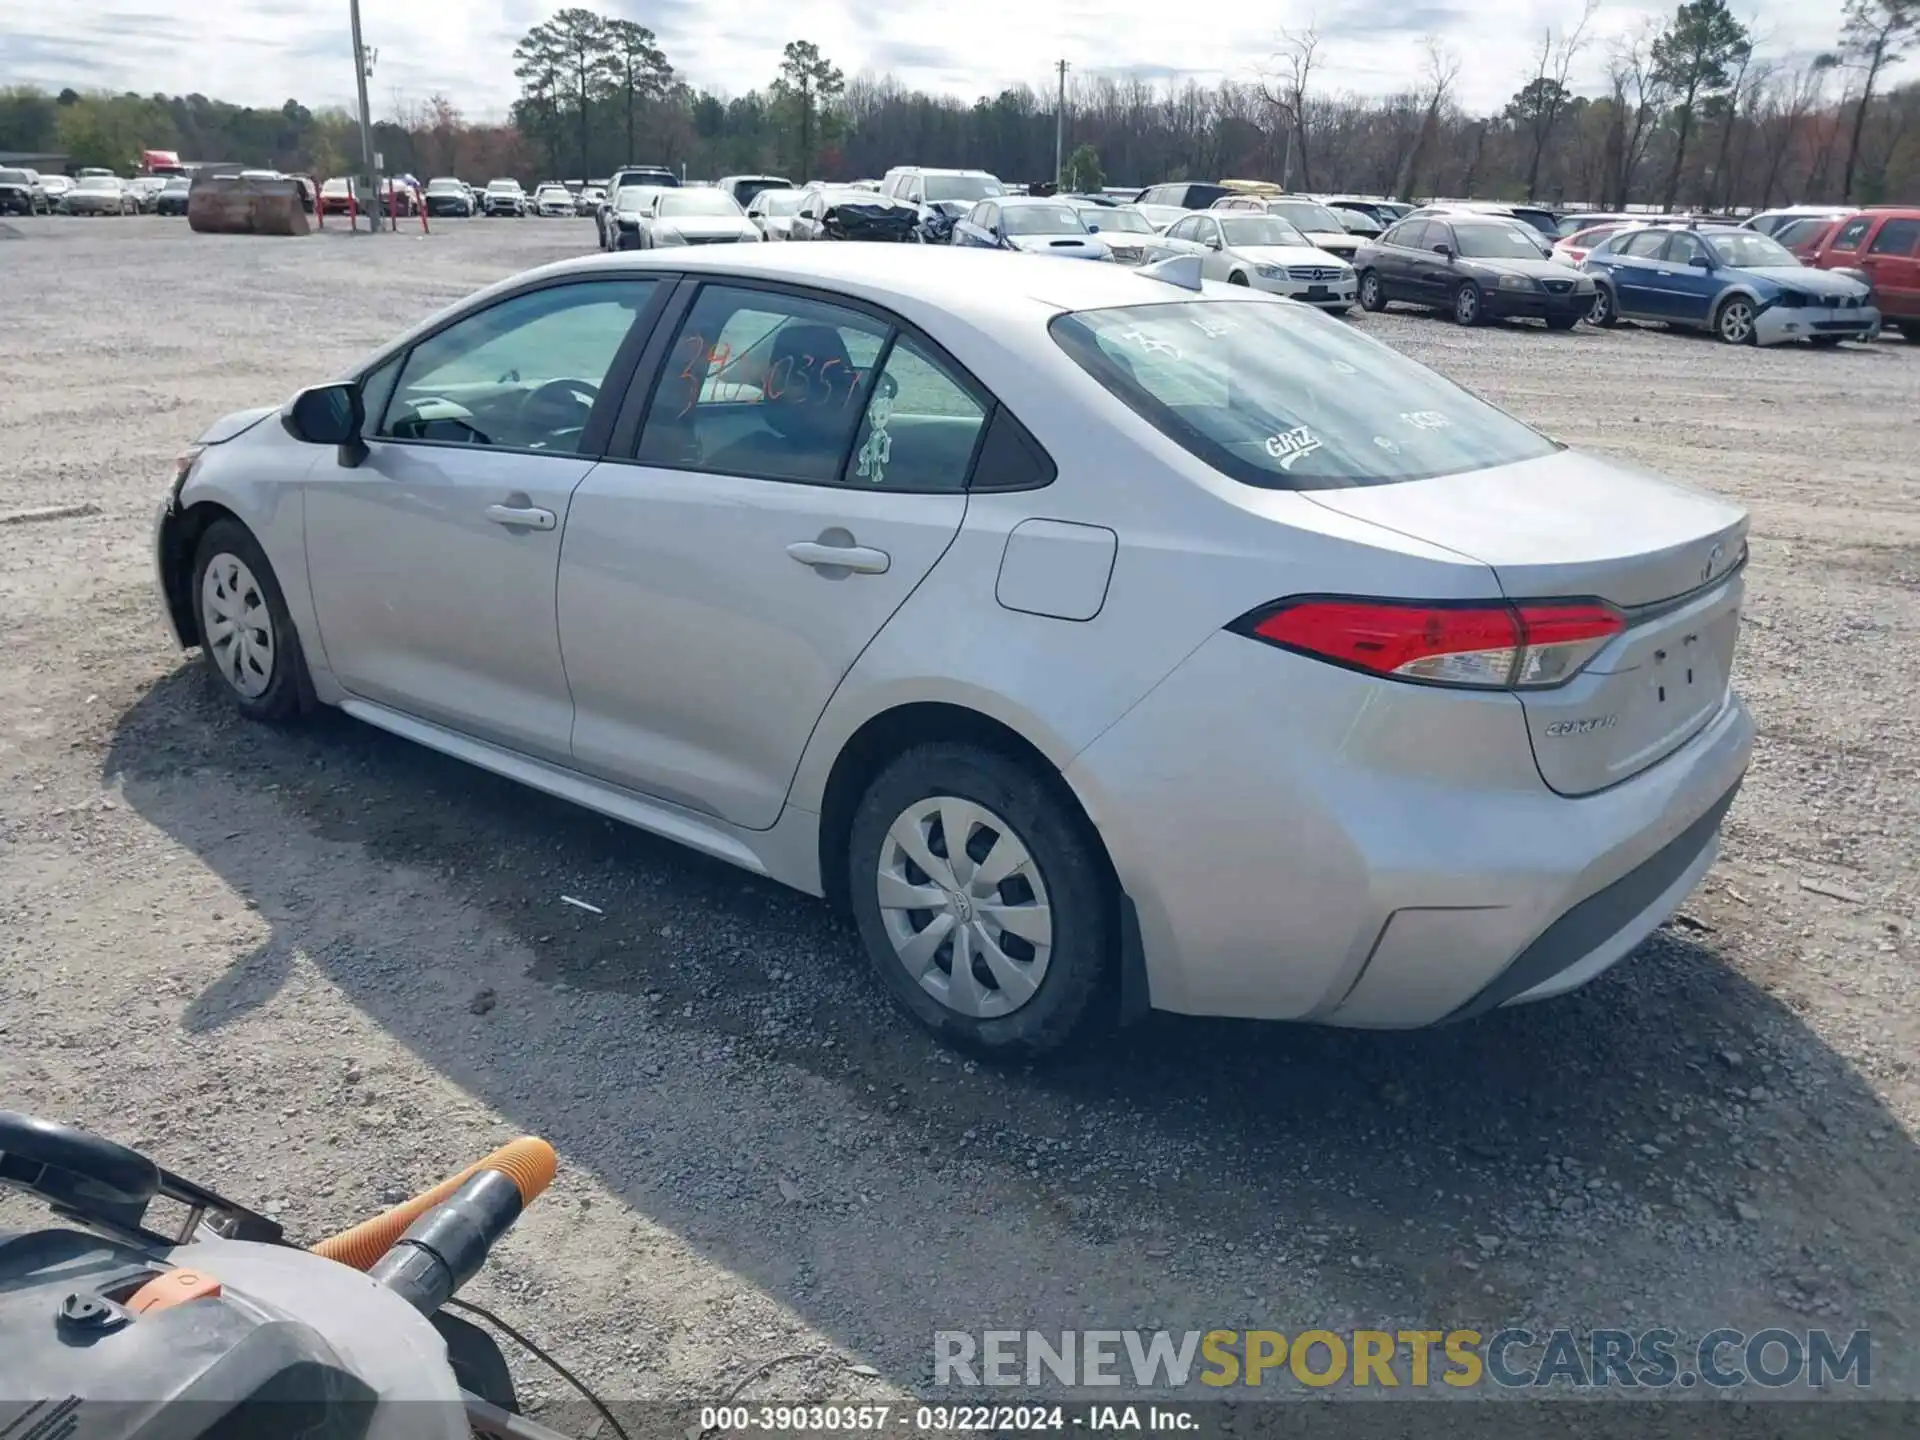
1691 110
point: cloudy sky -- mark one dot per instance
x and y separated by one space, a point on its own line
262 51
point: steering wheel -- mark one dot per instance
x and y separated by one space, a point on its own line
555 395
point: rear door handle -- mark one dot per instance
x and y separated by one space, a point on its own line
857 558
527 517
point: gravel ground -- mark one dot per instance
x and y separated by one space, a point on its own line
319 968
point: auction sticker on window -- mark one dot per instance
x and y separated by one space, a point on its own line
1290 445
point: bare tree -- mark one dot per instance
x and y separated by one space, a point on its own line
1286 94
1874 35
1437 76
1739 95
1788 99
1544 98
1638 92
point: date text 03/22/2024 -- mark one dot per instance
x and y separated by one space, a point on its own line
717 1420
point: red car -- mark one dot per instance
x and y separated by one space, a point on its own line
1805 236
1575 247
1883 246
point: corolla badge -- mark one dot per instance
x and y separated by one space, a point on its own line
1714 557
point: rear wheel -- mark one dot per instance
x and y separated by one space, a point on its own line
1468 308
246 634
1734 324
982 900
1605 313
1373 295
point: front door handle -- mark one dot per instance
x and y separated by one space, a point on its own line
526 517
857 558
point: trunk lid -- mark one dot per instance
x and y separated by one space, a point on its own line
1570 525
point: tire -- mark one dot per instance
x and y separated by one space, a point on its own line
1910 332
1733 321
1236 278
1069 942
1605 312
1468 306
231 570
1562 322
1373 294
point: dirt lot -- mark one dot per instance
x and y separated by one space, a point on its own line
319 968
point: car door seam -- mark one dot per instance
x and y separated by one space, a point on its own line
800 756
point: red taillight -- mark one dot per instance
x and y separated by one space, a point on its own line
1488 647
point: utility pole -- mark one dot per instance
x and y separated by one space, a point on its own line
1060 130
361 66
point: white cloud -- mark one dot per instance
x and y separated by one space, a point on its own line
263 51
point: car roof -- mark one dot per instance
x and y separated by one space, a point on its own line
983 290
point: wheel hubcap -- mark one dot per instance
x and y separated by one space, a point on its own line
1467 304
964 907
1736 323
236 625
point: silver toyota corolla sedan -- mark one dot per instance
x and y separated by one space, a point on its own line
1101 642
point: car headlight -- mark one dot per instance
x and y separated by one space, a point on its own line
1518 282
667 235
1271 272
1791 299
1583 286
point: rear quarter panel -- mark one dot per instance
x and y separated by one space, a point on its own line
1194 552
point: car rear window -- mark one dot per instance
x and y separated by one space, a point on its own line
1279 396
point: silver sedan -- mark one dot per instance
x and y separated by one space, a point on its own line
1104 639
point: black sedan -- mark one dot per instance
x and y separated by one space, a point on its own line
1476 270
20 194
172 196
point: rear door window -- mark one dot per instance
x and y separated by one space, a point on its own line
1643 245
1410 234
1896 237
764 384
1284 398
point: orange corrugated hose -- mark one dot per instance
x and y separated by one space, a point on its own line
529 1162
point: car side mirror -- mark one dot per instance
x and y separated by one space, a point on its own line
1445 252
329 415
1701 262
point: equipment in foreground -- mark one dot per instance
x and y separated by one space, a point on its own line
218 1326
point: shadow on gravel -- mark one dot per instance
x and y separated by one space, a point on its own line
1378 1157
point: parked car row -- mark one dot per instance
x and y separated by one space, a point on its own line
1477 262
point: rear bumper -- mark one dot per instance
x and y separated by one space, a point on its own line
1349 851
